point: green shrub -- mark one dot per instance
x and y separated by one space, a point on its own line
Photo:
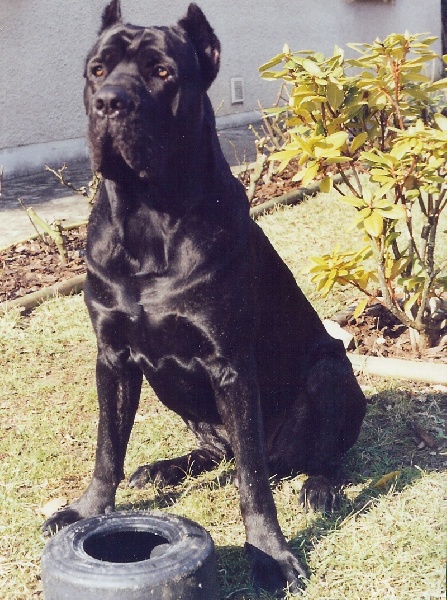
372 121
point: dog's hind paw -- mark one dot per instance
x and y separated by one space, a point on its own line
318 494
174 470
161 473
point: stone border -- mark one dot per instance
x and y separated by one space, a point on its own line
30 301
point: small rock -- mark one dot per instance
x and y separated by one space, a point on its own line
339 333
421 398
342 317
140 418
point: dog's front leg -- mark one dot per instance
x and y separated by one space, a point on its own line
273 564
119 388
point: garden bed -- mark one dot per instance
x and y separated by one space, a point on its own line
31 265
378 333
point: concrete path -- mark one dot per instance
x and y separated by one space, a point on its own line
53 201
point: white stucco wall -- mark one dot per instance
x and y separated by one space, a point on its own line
43 44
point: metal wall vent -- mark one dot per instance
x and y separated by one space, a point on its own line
237 90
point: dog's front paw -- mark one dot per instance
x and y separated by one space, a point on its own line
161 473
60 519
275 575
318 494
98 498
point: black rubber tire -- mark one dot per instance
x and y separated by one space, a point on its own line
130 556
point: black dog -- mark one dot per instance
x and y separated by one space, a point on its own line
185 289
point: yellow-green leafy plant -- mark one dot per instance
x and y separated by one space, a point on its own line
371 121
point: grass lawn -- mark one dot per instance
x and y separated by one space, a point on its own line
385 542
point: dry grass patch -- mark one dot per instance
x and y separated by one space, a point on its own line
393 549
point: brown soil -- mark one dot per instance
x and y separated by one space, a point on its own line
268 188
378 333
29 266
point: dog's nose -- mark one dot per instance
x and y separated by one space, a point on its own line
111 101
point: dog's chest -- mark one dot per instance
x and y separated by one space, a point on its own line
132 255
162 282
156 295
171 349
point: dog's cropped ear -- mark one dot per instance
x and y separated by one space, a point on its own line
205 42
111 15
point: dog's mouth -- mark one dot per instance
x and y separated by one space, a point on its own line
116 148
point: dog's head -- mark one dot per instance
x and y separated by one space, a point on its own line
144 90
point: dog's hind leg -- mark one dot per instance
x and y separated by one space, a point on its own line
322 423
338 406
213 447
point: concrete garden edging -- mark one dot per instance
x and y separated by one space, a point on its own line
412 370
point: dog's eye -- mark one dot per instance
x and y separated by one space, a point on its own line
98 71
161 72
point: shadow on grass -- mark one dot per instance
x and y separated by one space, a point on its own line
387 457
387 441
168 496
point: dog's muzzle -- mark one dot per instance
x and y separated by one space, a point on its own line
112 102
